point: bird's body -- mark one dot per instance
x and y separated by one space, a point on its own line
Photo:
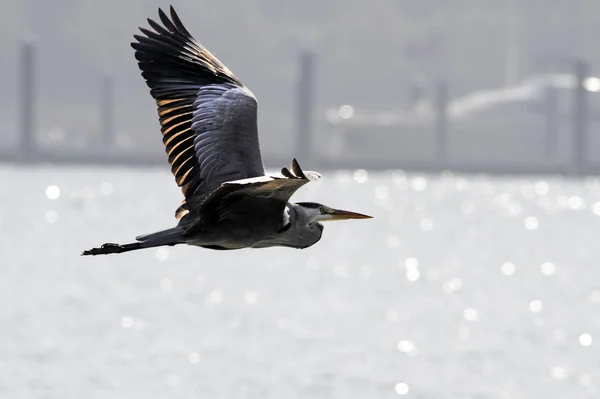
208 120
265 232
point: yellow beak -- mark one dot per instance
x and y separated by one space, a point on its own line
338 214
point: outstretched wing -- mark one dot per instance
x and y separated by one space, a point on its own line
207 116
263 197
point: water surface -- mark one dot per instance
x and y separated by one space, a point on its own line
460 287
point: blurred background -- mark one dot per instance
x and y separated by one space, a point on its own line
467 129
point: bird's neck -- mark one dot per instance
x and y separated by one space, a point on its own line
287 212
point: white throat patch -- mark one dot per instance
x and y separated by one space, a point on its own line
286 216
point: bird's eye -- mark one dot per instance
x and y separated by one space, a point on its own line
323 210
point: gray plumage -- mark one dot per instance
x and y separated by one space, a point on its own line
208 120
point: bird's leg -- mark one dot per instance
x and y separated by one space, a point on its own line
111 248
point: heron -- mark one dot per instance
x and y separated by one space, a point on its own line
209 126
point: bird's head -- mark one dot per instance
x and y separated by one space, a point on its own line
315 212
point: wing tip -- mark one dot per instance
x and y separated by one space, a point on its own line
171 38
297 169
296 172
286 173
177 21
161 13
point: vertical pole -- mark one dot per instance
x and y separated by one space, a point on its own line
27 92
551 120
305 103
107 114
580 119
441 128
415 94
511 52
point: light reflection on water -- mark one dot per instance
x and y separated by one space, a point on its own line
461 286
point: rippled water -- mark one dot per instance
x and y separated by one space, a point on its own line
461 287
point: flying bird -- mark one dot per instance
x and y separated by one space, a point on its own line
208 121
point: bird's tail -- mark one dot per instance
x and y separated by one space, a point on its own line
170 237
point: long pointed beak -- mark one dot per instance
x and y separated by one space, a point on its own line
339 214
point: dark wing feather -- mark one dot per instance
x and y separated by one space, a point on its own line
207 116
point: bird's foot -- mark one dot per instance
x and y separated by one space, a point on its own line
108 248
